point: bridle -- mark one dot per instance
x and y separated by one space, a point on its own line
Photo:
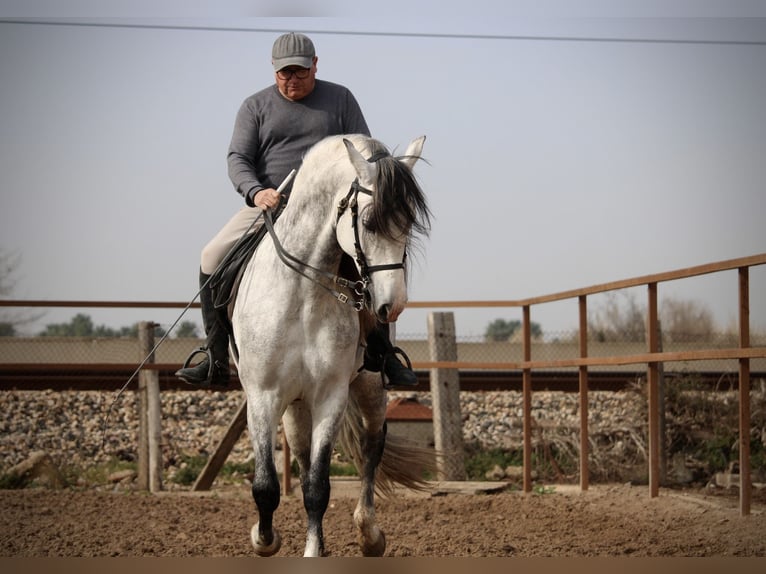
359 287
351 201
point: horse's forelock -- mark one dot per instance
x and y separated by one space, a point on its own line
399 203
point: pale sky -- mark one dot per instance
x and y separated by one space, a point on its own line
553 163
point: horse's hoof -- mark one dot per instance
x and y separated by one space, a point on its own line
265 550
374 548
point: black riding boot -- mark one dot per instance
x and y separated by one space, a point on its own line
380 355
213 370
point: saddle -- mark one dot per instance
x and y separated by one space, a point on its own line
224 283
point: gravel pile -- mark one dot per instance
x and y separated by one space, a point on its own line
70 426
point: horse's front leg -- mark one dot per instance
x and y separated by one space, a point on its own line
316 497
265 538
297 425
315 483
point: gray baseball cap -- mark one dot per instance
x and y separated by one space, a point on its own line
292 50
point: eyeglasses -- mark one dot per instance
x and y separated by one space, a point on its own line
300 73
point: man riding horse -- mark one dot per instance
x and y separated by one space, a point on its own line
273 130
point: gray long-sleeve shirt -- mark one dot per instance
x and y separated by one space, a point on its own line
272 134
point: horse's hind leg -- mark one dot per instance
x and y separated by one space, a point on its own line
371 399
371 539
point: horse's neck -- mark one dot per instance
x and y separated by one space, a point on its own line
305 230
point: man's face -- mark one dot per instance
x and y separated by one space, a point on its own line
295 82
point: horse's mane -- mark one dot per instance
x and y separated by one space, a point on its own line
398 202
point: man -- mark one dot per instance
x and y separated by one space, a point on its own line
273 130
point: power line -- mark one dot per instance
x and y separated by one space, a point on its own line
434 35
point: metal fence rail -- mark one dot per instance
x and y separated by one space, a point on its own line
653 358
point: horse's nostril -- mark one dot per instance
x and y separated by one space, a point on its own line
383 312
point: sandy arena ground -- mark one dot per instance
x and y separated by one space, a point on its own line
615 521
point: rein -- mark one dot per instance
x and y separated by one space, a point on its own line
360 288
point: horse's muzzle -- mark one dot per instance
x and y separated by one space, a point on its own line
388 313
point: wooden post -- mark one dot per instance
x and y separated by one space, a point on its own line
583 380
237 426
142 480
744 394
150 415
653 379
213 466
526 382
662 422
445 393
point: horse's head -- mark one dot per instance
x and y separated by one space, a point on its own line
377 219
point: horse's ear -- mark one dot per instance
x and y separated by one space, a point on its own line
413 152
364 169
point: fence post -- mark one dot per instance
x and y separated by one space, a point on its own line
445 394
526 400
143 440
653 378
150 430
583 388
663 423
745 486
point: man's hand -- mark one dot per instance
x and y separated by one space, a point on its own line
267 198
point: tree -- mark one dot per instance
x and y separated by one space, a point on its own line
186 329
686 321
81 325
9 321
502 330
625 320
618 322
8 264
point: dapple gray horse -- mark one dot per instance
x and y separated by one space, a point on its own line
300 330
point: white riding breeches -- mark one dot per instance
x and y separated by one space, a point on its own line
217 248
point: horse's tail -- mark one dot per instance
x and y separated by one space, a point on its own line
403 462
406 464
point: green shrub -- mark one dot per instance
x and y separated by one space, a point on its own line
478 462
98 473
11 481
189 469
342 469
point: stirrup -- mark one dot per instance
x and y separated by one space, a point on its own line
207 382
397 351
392 353
201 351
